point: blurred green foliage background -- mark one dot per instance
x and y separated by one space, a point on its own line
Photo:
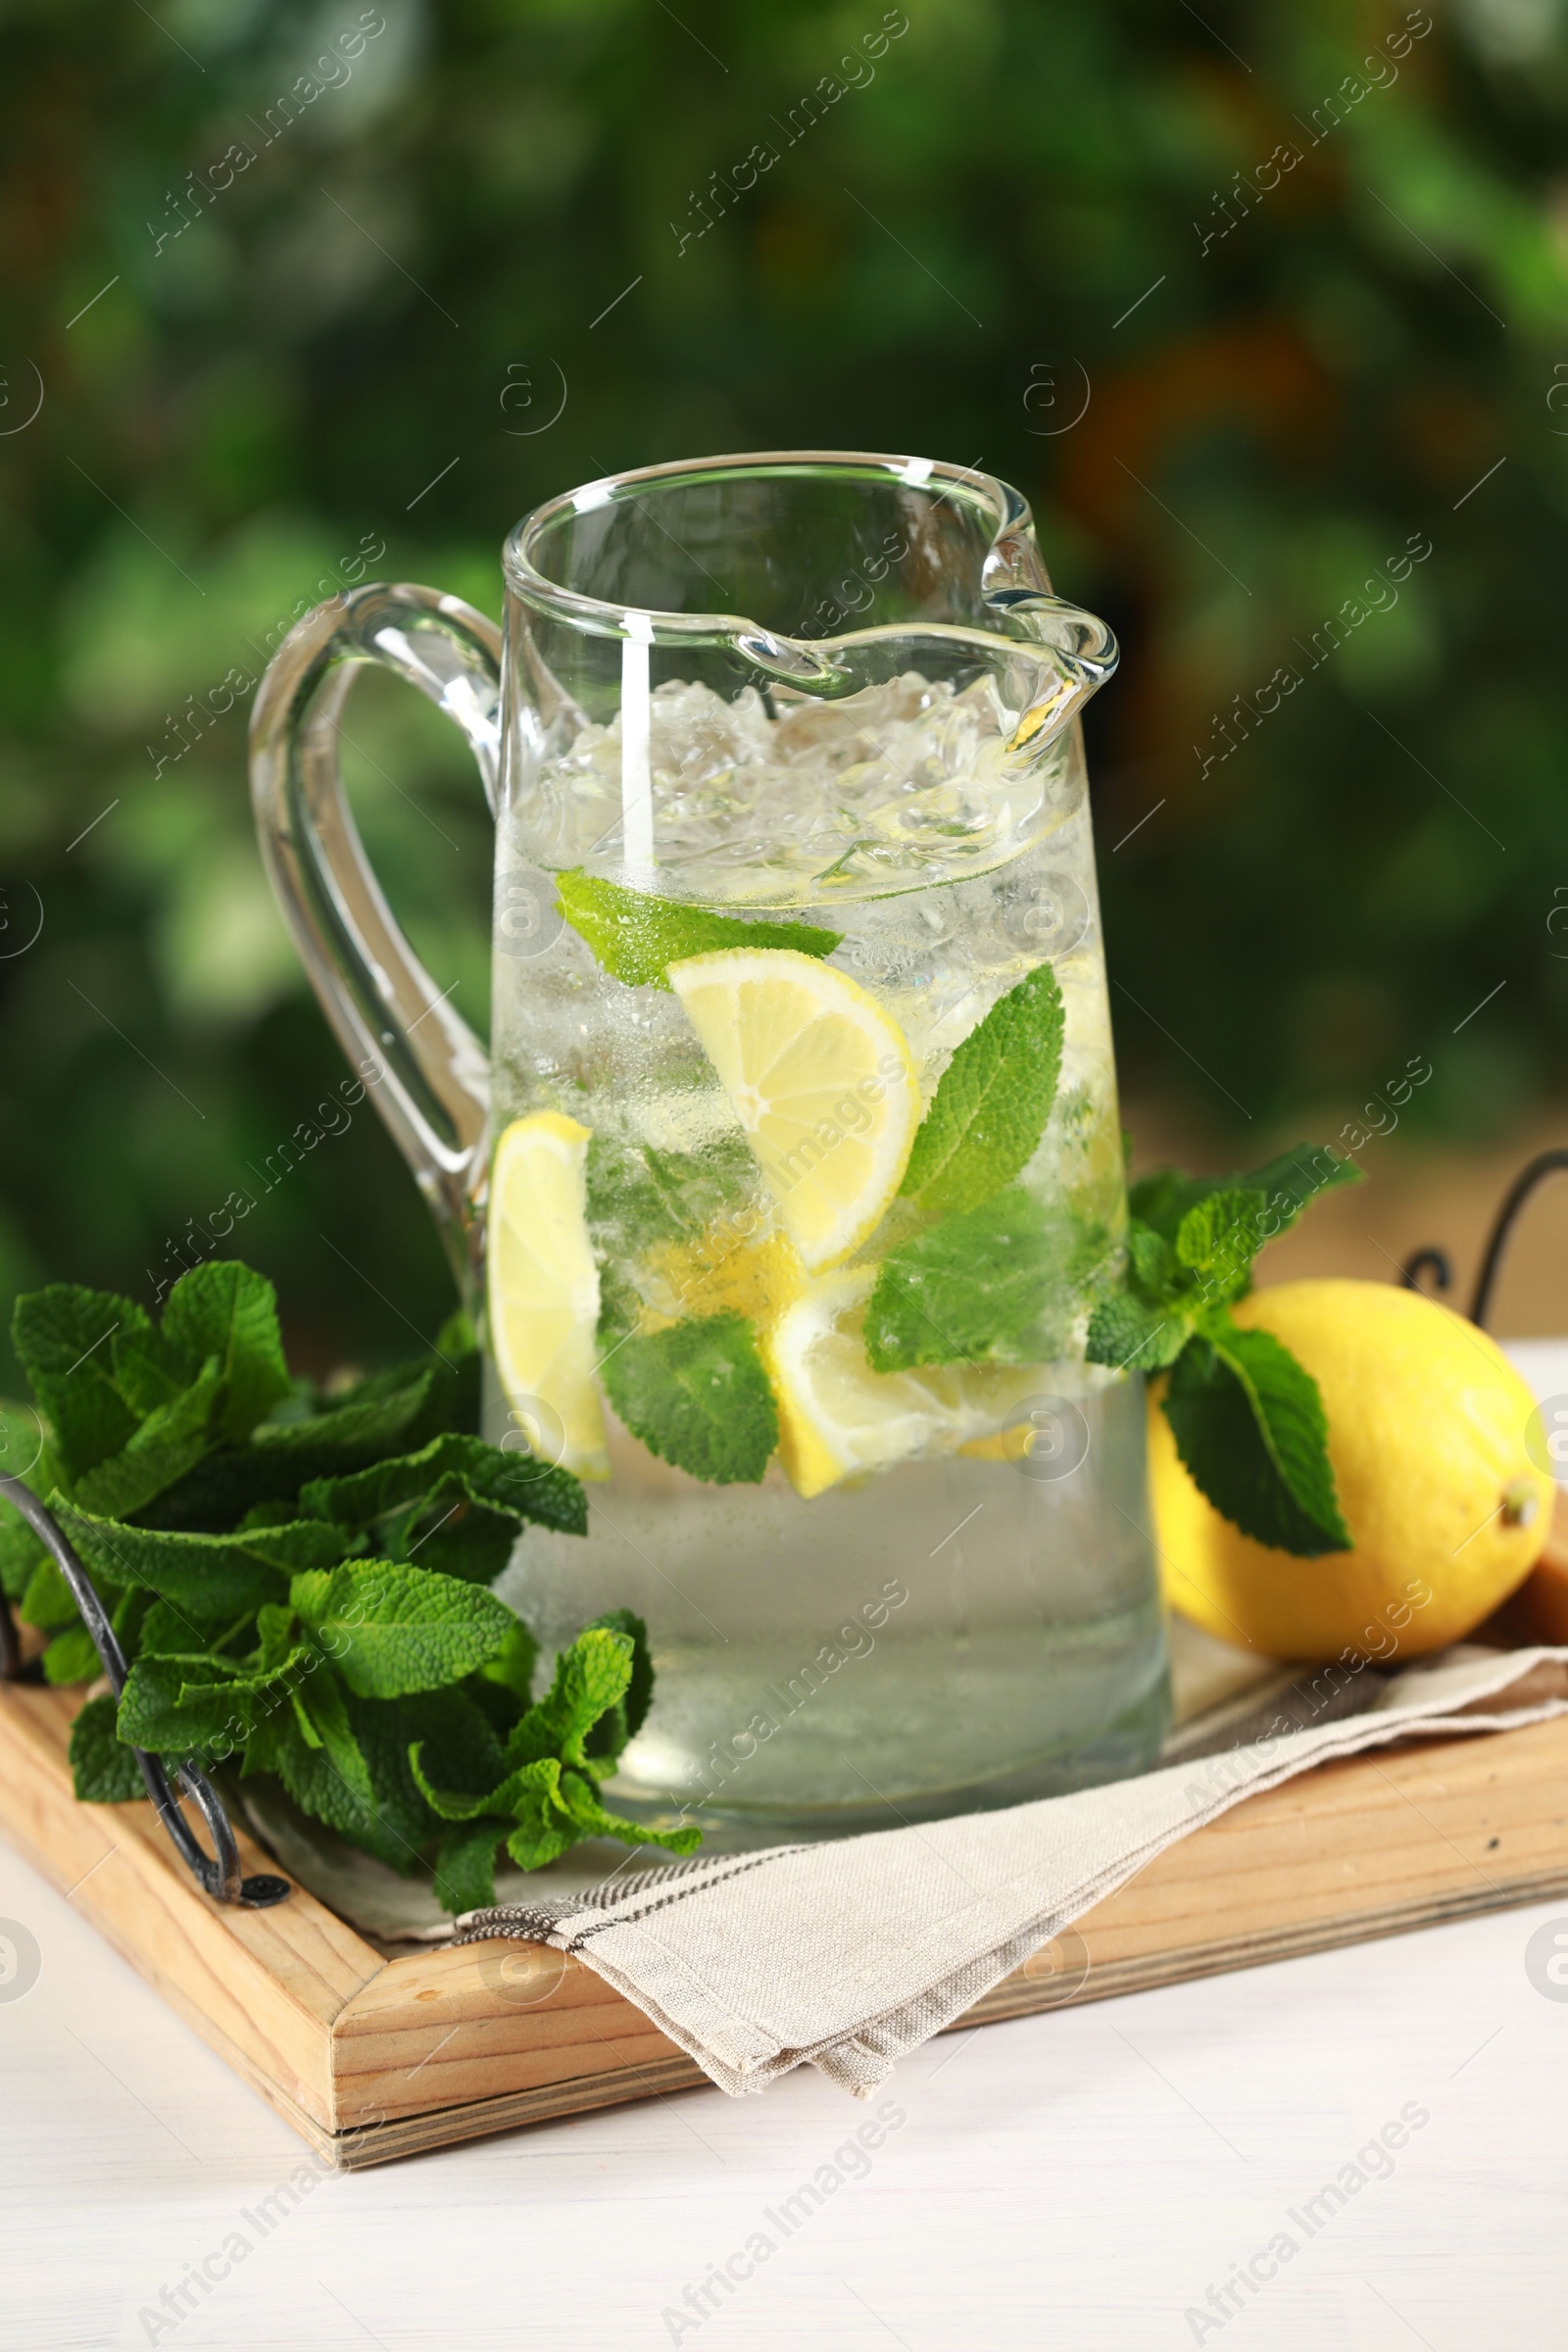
1008 207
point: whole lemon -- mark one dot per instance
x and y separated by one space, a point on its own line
1447 1512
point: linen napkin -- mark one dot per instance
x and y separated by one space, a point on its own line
853 1952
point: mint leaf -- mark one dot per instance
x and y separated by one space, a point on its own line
591 1678
375 1420
1289 1184
579 1800
461 1748
622 1721
452 1531
322 1716
48 1601
466 1866
224 1311
639 1197
396 1822
636 936
999 1283
696 1395
1218 1239
146 1370
397 1495
546 1801
20 1555
544 1828
390 1629
71 1657
1132 1336
21 1457
279 1456
190 1705
1152 1265
204 1576
103 1768
553 1808
328 1637
172 1439
510 1670
63 1338
993 1099
1250 1425
167 1632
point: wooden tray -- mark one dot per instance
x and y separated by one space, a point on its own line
370 2057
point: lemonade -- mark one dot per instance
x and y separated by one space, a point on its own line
808 1174
792 1177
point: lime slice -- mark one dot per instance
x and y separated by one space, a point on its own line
836 1417
544 1290
822 1082
635 935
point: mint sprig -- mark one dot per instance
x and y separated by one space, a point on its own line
996 1285
546 1797
1248 1418
299 1582
637 936
991 1101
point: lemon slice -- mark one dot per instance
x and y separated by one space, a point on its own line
720 1272
836 1417
822 1082
544 1290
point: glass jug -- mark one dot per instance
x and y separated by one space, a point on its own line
790 803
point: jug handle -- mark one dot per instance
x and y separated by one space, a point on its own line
429 1074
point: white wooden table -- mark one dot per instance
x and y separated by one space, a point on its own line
1081 2179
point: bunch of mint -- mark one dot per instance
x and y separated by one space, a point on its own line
299 1582
1248 1418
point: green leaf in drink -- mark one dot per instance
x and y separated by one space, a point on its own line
639 1196
697 1397
637 936
977 1287
993 1099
